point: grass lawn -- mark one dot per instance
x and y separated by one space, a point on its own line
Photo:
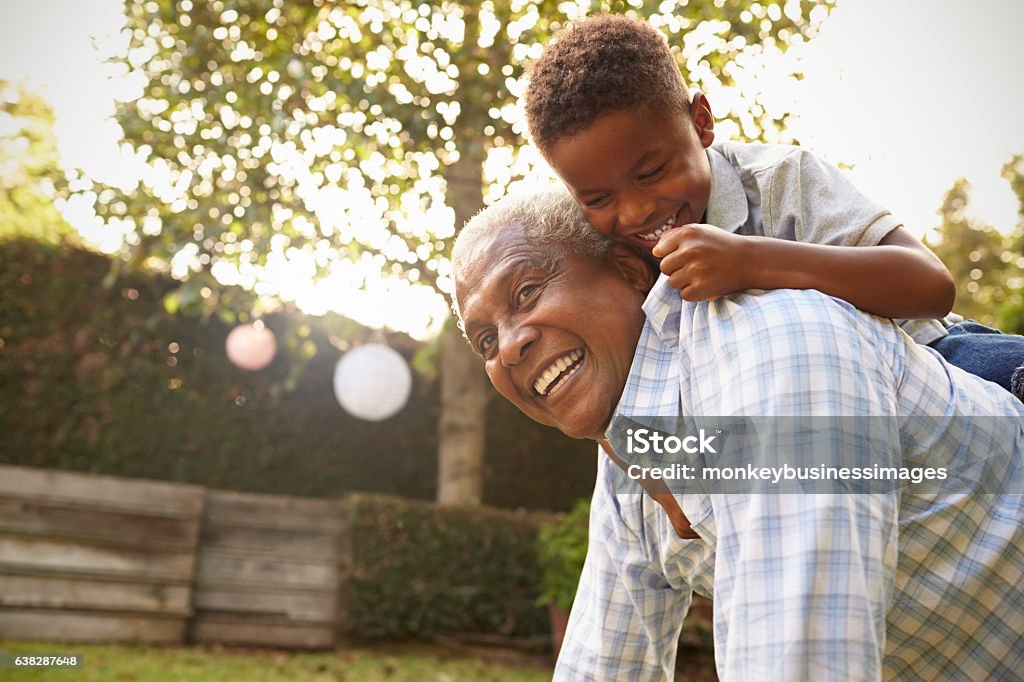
214 664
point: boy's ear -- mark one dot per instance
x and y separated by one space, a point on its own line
634 267
703 119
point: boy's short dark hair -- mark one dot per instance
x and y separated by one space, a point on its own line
605 63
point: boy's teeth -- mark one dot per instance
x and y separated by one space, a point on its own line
653 236
556 372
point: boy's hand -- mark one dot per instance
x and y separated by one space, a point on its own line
703 261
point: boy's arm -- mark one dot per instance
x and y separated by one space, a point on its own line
815 216
898 278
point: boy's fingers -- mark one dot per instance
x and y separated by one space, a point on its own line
667 264
679 280
673 262
669 241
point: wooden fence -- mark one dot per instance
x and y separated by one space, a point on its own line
96 558
268 571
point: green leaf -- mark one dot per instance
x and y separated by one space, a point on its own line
171 302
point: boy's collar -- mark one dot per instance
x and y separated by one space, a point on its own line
727 204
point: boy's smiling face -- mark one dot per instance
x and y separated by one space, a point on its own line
637 173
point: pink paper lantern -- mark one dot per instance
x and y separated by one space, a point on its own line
250 346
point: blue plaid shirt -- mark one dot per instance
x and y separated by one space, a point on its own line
898 585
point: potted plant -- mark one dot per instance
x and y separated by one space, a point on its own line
561 550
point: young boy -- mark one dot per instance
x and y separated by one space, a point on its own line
610 112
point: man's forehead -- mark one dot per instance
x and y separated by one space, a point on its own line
502 250
489 277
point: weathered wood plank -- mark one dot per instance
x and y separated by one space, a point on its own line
106 492
217 567
72 626
306 605
267 571
313 546
227 508
22 554
34 591
57 520
289 635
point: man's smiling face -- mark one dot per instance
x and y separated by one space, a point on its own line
557 330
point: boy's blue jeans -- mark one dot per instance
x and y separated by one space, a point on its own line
981 350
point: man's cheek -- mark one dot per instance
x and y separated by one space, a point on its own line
507 390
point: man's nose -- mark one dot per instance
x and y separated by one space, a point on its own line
636 209
514 342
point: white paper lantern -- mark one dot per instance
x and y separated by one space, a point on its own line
372 382
250 346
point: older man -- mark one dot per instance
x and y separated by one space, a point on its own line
907 582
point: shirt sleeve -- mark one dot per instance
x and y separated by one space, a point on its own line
808 200
626 617
803 580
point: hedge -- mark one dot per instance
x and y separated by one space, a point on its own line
416 569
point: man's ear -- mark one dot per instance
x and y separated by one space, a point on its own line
703 119
634 267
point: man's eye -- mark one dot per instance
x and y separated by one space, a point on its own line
654 173
485 342
524 292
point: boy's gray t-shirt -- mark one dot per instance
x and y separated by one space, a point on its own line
787 192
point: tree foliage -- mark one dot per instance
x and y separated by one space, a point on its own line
327 136
29 171
987 265
344 143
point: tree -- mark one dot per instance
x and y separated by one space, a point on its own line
358 136
29 169
1011 312
987 266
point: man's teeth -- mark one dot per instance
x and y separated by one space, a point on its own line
560 370
653 236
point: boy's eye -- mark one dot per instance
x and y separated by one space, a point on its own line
596 202
654 173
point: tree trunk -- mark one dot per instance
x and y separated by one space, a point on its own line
461 429
464 390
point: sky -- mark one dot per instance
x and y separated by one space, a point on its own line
912 93
915 94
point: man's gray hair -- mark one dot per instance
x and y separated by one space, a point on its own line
547 215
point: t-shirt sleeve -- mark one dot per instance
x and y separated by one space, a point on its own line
809 200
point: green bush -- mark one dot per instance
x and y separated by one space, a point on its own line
418 569
561 550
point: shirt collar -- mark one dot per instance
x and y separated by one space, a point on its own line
651 394
663 308
727 204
